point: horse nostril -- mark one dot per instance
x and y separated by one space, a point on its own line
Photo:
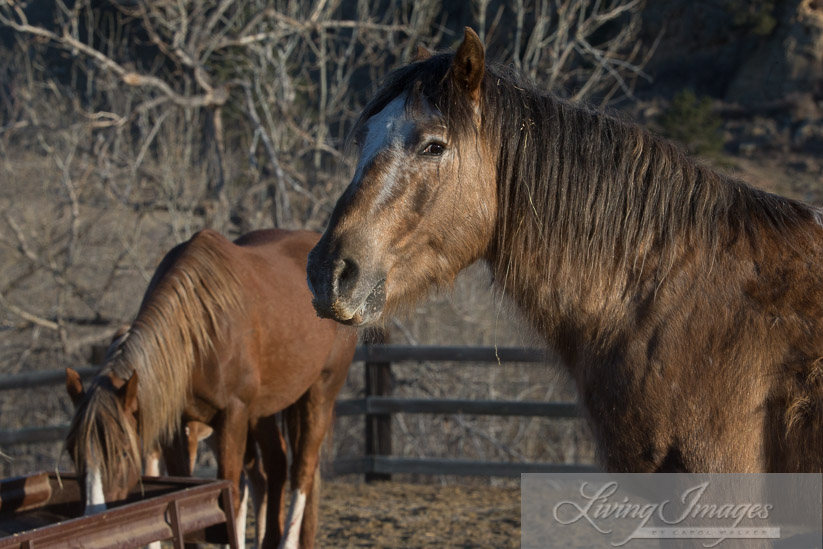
345 274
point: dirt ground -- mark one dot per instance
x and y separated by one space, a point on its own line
397 514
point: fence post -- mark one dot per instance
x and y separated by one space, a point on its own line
378 426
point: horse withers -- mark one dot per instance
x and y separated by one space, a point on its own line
686 304
225 336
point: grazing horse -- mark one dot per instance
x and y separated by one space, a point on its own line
181 454
264 466
225 336
686 304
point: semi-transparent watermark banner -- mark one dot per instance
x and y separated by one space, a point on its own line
781 511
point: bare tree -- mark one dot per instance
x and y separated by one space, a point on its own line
586 49
127 125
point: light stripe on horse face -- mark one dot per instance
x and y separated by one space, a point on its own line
390 126
388 130
95 500
391 145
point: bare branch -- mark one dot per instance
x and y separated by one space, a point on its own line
34 319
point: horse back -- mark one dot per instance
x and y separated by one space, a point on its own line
274 344
269 237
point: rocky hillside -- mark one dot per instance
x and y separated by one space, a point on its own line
746 76
753 52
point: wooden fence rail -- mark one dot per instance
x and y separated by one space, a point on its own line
377 407
42 379
388 465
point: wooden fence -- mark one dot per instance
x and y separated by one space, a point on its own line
377 407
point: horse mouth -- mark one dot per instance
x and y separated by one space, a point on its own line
369 310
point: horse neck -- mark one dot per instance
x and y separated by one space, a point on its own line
178 329
164 360
591 224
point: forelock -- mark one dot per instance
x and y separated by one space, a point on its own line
99 435
425 83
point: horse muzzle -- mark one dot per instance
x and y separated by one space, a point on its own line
342 290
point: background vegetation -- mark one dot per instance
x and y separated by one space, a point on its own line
127 125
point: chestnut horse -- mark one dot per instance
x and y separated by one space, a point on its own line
181 454
265 466
225 336
686 305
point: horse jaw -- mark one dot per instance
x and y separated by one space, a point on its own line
95 500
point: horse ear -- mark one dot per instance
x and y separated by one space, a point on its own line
421 54
469 64
128 394
74 386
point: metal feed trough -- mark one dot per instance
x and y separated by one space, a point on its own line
45 510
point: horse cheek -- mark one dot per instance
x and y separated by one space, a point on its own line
476 198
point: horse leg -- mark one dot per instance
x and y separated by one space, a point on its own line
309 419
306 438
179 462
151 463
231 431
176 454
272 470
151 468
305 452
241 516
255 484
204 432
195 432
294 517
310 518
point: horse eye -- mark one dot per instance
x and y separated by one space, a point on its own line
434 149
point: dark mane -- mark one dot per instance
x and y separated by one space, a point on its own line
601 189
425 79
595 191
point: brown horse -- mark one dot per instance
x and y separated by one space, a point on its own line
687 305
265 467
181 454
225 336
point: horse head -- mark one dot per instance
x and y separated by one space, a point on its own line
102 439
422 203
